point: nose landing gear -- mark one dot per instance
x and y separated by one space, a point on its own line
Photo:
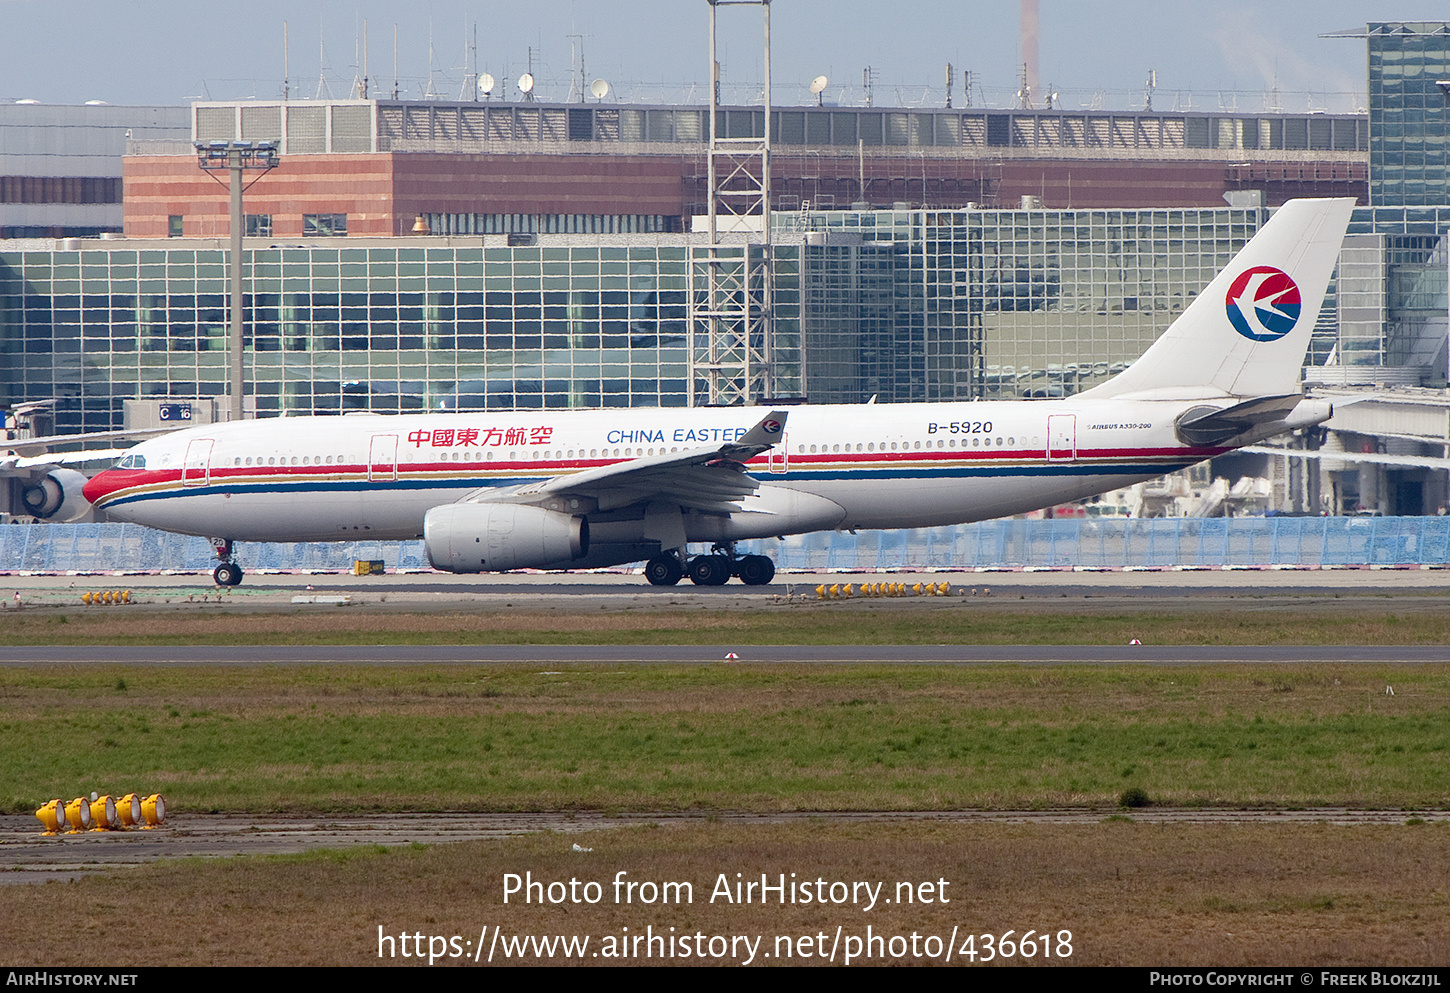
227 573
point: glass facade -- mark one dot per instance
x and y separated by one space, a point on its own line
1409 120
1395 297
905 305
900 305
384 327
928 305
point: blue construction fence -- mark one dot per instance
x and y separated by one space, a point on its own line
1043 544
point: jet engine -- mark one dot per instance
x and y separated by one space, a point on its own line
494 537
56 496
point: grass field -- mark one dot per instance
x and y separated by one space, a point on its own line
1000 621
319 738
1128 893
758 737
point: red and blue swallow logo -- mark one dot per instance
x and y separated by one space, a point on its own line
771 427
1263 303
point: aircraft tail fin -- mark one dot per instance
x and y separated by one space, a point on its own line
1246 334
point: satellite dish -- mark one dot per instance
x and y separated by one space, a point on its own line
818 85
526 83
485 84
599 88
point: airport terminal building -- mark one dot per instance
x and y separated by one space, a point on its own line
418 256
901 305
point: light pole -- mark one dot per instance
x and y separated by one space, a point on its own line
236 156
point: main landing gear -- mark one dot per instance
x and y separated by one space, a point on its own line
228 573
714 569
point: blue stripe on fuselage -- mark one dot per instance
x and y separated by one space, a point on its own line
301 484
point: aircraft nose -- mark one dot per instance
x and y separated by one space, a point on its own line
100 485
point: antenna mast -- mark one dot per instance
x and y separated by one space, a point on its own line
730 279
578 53
322 86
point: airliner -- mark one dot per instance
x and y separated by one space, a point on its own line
494 491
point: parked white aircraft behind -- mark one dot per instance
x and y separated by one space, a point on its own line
494 491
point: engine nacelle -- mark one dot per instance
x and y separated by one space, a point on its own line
495 537
56 496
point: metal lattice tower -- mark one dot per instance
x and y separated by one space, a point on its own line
731 278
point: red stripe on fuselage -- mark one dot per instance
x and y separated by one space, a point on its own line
111 481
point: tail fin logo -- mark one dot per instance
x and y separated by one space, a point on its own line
1263 303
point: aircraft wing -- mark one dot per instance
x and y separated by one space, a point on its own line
16 465
27 447
711 479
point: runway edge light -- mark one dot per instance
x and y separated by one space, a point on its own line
153 808
52 815
130 810
103 813
78 814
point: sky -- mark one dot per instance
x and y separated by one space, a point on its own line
1093 54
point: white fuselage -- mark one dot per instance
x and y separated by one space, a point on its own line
856 466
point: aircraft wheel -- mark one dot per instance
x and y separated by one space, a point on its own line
227 574
663 570
756 570
709 570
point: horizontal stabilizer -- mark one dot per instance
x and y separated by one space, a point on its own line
1252 420
1210 425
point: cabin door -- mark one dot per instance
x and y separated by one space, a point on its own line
1061 437
779 457
383 458
196 470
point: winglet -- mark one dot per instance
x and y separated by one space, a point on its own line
765 435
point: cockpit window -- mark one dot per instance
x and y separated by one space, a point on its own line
132 461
